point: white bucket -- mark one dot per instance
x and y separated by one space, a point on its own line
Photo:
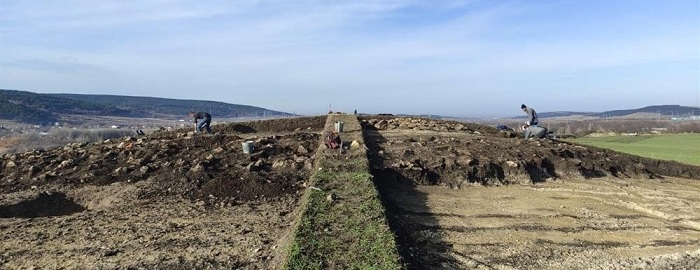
339 126
248 147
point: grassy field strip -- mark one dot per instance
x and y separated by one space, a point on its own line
343 223
679 147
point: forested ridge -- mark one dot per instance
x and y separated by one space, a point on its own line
36 108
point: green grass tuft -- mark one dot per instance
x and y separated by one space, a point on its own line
349 230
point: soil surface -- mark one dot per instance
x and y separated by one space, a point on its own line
458 196
608 223
170 200
464 196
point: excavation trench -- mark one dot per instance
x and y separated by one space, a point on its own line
462 197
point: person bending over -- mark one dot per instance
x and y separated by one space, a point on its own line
534 132
202 120
532 119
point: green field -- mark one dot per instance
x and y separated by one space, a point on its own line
679 147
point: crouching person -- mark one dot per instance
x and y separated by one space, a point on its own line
534 132
202 120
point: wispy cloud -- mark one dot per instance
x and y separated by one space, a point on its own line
474 52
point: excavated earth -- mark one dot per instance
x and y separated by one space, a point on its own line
169 200
458 196
467 196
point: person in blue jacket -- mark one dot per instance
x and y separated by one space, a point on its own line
202 120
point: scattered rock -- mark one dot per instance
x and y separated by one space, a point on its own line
10 164
259 163
110 252
278 164
197 168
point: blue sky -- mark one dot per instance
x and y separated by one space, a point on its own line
459 58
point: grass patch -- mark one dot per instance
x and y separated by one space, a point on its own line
679 147
343 225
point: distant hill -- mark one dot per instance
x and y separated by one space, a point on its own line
669 110
34 108
563 114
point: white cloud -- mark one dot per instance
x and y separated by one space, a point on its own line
391 49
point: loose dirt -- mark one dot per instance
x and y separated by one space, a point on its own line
458 196
462 196
170 200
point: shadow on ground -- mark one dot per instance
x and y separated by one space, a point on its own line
44 205
419 249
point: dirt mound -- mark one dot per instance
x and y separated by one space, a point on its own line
421 150
169 200
314 124
197 166
419 124
178 199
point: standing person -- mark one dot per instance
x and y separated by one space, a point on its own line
532 119
203 123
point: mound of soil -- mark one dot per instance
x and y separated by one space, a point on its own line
314 124
182 200
433 152
169 200
195 165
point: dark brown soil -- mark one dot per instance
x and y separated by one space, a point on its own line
436 152
196 165
180 199
169 200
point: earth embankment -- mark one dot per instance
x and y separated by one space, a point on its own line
169 200
460 196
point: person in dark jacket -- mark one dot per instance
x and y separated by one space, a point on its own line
532 119
201 120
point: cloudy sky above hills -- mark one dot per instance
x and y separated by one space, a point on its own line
460 58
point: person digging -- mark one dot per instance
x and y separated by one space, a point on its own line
202 120
534 131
